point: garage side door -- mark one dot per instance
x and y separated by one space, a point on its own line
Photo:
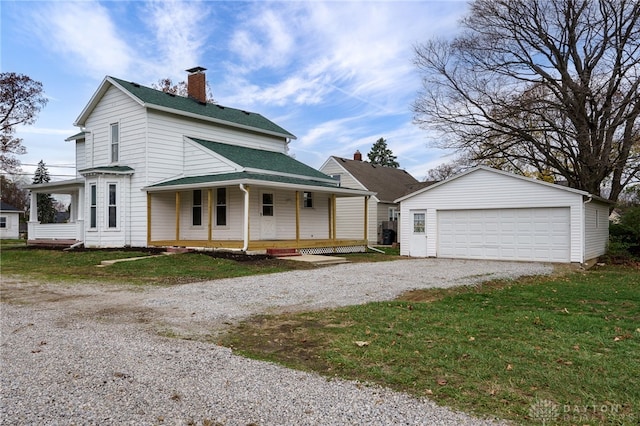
537 234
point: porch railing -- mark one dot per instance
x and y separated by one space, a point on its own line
56 231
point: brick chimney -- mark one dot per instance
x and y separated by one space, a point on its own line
197 84
357 156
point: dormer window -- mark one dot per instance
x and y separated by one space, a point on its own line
115 141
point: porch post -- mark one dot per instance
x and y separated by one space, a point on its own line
297 219
366 218
33 212
330 216
79 214
33 217
177 216
148 219
210 212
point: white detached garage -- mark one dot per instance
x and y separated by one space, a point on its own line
490 214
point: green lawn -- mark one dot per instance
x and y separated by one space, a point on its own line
569 345
58 265
80 265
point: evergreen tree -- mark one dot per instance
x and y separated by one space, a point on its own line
46 208
381 155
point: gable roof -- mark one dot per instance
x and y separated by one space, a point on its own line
9 208
389 183
257 160
509 175
159 100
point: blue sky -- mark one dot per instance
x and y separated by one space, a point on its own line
337 74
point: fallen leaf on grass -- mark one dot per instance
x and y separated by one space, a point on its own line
509 367
442 382
361 343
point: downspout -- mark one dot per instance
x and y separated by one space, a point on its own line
246 217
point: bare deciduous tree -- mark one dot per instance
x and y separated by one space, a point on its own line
546 87
21 98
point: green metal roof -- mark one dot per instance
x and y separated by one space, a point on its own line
208 110
198 180
261 159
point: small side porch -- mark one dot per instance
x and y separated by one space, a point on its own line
66 234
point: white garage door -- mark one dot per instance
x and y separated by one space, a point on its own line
540 234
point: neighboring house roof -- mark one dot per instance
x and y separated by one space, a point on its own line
9 208
389 183
508 174
156 99
260 160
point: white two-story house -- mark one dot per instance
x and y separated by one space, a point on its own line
157 169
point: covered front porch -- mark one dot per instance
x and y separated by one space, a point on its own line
57 234
251 215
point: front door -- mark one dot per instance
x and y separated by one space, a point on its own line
267 217
418 246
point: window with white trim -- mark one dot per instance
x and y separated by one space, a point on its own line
113 206
196 208
393 214
3 221
115 141
93 208
221 207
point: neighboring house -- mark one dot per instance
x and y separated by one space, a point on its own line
156 169
9 221
490 214
387 183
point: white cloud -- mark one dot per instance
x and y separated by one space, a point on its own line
363 50
85 32
179 36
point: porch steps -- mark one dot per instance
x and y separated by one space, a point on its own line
282 252
318 260
51 242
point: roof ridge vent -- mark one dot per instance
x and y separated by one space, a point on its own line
135 84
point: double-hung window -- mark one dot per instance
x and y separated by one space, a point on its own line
113 206
221 207
3 221
196 208
93 215
115 141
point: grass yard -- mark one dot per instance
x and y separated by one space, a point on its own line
80 265
58 265
562 350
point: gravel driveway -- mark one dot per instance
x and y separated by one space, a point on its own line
94 354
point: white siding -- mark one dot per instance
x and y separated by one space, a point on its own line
12 229
81 156
116 107
102 235
596 228
200 161
166 149
483 189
